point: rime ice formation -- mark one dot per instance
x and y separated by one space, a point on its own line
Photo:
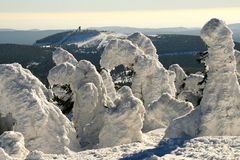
189 88
161 112
144 43
124 122
89 96
180 76
61 56
119 52
108 82
218 113
42 124
12 146
192 88
237 55
151 79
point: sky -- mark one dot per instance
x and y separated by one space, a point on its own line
69 14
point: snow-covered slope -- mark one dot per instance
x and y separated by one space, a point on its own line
83 38
99 40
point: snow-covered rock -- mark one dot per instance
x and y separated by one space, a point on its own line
180 76
124 122
42 124
12 146
160 113
218 113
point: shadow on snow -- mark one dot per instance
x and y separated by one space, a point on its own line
165 146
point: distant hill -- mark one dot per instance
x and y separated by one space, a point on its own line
180 49
24 37
31 36
175 30
67 37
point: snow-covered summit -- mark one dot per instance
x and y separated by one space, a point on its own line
81 38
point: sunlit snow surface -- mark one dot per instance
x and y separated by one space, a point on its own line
105 117
151 148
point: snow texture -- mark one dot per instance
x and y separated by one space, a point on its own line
180 76
89 96
108 82
61 56
151 79
192 88
144 43
124 122
161 112
12 146
218 113
42 124
219 148
237 55
100 40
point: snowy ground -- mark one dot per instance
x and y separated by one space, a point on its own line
154 148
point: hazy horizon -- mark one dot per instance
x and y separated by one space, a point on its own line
68 14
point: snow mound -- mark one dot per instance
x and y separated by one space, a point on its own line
160 113
124 122
12 146
218 113
42 124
